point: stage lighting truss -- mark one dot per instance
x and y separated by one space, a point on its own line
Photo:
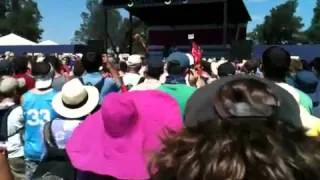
131 3
167 2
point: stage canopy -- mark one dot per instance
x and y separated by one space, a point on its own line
14 40
185 12
48 43
45 49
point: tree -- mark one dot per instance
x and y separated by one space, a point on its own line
313 31
93 27
2 9
281 26
256 34
93 23
21 17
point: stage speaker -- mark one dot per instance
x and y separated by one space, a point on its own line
96 46
241 49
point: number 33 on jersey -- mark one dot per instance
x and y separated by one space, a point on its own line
36 117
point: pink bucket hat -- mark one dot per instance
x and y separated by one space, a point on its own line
119 139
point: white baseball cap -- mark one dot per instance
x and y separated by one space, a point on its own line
134 60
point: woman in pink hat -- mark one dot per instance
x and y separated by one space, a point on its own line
118 140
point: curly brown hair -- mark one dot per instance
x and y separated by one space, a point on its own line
230 147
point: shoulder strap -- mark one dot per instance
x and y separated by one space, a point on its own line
48 136
4 123
52 149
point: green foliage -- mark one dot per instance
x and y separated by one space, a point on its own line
280 26
21 17
93 26
93 23
313 31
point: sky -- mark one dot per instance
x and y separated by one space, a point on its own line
62 17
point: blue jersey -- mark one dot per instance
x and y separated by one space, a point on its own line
37 110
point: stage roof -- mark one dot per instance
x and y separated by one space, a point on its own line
184 12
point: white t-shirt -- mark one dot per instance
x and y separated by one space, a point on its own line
131 79
15 124
148 84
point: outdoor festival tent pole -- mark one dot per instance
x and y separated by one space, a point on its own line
225 22
131 33
106 29
107 35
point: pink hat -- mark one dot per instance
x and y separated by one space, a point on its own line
119 139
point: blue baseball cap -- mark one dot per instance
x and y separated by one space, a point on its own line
179 57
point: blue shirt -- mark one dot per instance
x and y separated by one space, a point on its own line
37 110
109 84
62 130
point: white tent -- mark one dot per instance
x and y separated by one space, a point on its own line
14 40
48 42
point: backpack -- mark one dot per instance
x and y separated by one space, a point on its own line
4 113
56 164
98 85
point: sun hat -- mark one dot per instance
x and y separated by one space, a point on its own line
134 60
179 57
43 74
75 100
119 139
203 101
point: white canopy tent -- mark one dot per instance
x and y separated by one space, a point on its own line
48 42
14 40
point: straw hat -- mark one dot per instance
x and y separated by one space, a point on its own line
75 100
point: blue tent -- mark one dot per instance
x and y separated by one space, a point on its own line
45 49
307 52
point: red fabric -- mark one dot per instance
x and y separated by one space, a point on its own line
196 53
30 83
29 71
65 71
123 88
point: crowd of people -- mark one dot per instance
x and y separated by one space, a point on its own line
96 118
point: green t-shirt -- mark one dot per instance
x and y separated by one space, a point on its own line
305 100
180 92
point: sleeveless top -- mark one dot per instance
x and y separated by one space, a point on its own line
37 110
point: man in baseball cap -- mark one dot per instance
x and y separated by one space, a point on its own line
176 85
132 77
